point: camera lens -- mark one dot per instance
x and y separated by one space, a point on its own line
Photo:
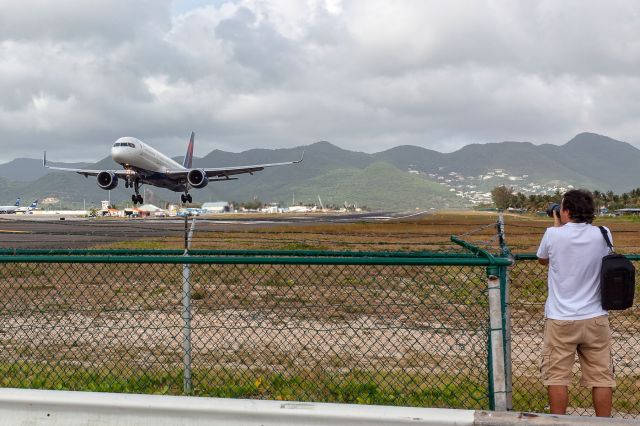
553 209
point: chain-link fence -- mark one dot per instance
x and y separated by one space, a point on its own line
376 330
528 291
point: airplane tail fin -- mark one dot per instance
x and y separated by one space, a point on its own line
33 205
188 157
17 204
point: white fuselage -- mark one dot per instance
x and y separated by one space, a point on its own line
133 153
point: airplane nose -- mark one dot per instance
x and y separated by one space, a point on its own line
117 154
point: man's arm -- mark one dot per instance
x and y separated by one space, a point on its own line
543 250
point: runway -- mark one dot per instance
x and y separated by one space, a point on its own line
62 232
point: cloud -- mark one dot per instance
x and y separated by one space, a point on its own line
109 21
366 75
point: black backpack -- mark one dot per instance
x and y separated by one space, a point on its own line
617 279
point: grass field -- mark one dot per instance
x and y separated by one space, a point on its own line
431 232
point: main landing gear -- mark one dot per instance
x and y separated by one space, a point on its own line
186 198
135 198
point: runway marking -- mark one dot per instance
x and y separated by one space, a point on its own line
411 215
238 222
11 231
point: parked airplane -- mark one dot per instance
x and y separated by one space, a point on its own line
10 209
31 207
144 165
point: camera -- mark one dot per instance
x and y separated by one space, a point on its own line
554 208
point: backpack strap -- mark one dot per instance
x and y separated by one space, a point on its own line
606 238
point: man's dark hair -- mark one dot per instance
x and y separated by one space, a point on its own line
580 204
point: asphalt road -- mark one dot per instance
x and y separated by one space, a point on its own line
48 232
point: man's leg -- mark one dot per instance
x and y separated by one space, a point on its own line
597 364
602 401
558 398
558 356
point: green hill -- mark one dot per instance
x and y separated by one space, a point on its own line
378 186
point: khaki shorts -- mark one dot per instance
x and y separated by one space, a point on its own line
591 339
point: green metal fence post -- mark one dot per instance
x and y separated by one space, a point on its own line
506 309
186 312
496 340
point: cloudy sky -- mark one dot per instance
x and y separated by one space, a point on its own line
364 74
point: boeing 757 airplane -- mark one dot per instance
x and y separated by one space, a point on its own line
143 164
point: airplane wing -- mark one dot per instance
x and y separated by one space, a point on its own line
225 172
222 173
85 172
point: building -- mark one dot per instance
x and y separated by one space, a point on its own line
215 207
151 210
627 211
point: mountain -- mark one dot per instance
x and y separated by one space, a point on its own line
611 164
401 177
380 185
588 161
517 157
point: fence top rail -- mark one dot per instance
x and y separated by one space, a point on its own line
426 261
215 253
493 261
533 256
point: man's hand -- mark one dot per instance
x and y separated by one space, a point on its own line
556 219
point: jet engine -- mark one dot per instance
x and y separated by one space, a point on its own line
197 178
107 180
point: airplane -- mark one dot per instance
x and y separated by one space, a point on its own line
143 164
29 209
10 209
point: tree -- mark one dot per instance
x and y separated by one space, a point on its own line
501 196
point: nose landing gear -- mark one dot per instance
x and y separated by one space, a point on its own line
186 198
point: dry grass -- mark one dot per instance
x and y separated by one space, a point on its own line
428 233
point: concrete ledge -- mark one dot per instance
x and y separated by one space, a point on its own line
495 418
42 407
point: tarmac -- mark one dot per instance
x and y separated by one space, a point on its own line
68 232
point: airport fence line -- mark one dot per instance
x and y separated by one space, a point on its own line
394 328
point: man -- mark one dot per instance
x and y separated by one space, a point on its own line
574 318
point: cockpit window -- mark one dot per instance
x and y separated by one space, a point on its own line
131 145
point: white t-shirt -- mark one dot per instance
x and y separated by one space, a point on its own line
575 252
